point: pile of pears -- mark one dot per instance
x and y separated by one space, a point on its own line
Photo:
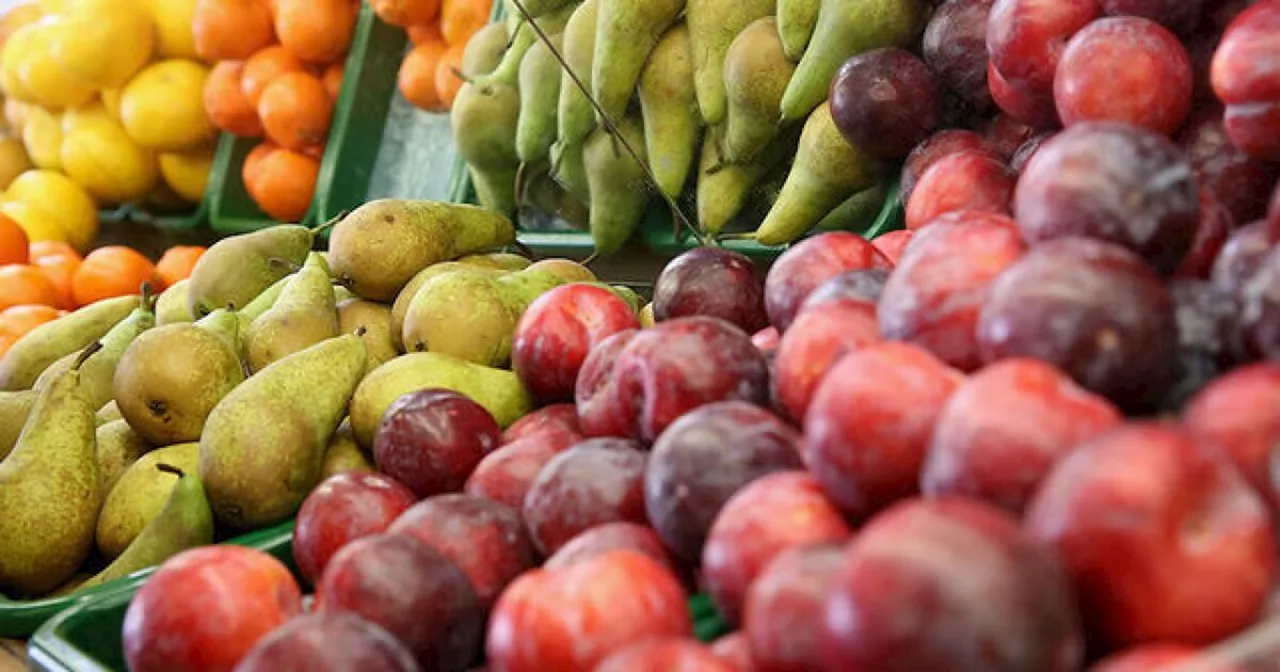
140 426
717 107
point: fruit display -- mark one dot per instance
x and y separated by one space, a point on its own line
431 73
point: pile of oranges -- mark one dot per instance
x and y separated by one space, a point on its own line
277 71
439 30
42 280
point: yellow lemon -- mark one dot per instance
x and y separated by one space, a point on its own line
173 20
163 107
111 101
19 16
15 115
187 173
13 160
42 77
91 111
98 154
103 43
37 225
42 136
17 50
64 201
52 6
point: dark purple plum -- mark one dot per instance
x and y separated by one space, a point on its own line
1208 337
1006 134
431 440
595 482
865 286
711 281
337 641
1240 258
808 264
955 47
937 146
885 102
1211 234
1260 309
1180 16
595 394
1241 183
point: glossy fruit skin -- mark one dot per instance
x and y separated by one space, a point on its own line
1244 78
808 264
711 281
885 101
340 510
955 46
595 482
670 655
431 440
785 605
966 180
329 640
937 146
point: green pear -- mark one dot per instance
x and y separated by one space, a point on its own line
713 24
827 170
484 123
171 377
672 124
569 172
846 28
507 73
856 212
756 72
539 96
796 21
381 245
237 269
724 188
575 116
97 372
537 8
110 411
373 322
184 522
566 269
303 316
227 324
118 448
499 392
140 495
619 187
174 304
14 409
341 293
261 304
405 298
484 51
263 445
51 341
343 454
49 489
626 31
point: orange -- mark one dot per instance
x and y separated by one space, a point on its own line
296 110
61 270
17 321
253 160
424 32
316 31
314 151
417 78
405 13
283 184
263 68
44 249
448 83
332 79
460 19
14 248
113 271
176 263
231 29
226 104
25 285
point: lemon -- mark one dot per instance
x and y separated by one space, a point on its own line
98 154
173 20
163 107
52 6
13 160
187 173
62 200
17 49
42 136
42 77
111 101
103 43
19 16
37 225
15 115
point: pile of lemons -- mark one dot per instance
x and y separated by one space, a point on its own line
105 97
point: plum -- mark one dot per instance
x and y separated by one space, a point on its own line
933 298
1202 44
1113 182
506 474
1159 657
949 584
607 538
1027 104
766 340
337 641
1239 181
556 418
1005 135
1163 537
1240 258
1028 149
600 411
892 244
1208 337
485 539
1211 234
784 607
1093 310
937 146
1259 320
734 649
863 286
667 654
431 440
965 180
1244 77
808 264
341 509
1025 38
817 340
885 102
868 427
1240 413
413 591
595 482
1004 429
1180 16
711 281
705 457
955 47
768 516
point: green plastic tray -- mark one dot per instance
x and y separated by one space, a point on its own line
231 210
19 619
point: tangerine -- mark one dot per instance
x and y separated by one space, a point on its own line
22 285
177 262
14 246
283 184
226 103
316 31
18 321
332 79
405 13
460 19
263 68
448 82
296 110
231 29
113 271
417 77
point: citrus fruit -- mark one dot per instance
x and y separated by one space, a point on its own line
113 271
417 77
249 170
173 19
102 43
187 173
42 138
22 285
316 31
62 200
14 55
17 321
37 224
424 32
231 29
99 155
177 262
15 115
14 247
263 68
460 19
448 83
226 104
163 106
42 77
295 110
332 79
283 183
60 268
13 160
405 13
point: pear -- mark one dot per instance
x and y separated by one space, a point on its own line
50 493
539 96
846 28
405 298
498 391
645 316
171 377
110 411
118 448
507 73
97 372
484 51
827 170
262 303
537 8
140 495
856 212
263 446
473 317
723 188
174 304
569 172
303 316
626 31
756 72
575 116
382 244
672 124
619 188
713 24
343 454
341 293
565 269
796 21
373 321
51 341
14 409
503 261
484 126
627 294
184 522
229 325
235 270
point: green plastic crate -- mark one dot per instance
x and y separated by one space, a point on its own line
231 210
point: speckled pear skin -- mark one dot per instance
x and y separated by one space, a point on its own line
626 32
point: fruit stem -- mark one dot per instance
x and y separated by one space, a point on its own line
148 298
170 469
333 221
85 354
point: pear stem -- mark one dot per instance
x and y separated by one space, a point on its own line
333 221
344 281
170 469
148 298
91 350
